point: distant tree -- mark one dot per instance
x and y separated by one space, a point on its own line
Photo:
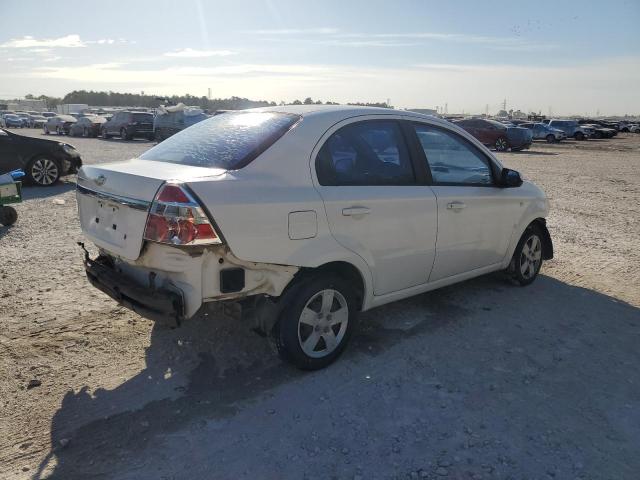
296 102
308 101
29 96
318 102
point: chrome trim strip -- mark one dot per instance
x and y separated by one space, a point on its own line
110 197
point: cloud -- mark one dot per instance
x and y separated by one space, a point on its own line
69 41
191 53
295 31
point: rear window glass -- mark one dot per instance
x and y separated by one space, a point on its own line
142 117
228 141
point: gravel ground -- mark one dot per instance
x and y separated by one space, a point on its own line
478 380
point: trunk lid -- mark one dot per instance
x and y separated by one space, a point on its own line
114 200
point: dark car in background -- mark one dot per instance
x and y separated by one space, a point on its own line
44 161
129 125
87 126
59 124
599 131
497 135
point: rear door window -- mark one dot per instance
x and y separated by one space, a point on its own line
229 141
365 153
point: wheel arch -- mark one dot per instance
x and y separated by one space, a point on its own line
547 243
342 269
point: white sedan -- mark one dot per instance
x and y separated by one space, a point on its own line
307 215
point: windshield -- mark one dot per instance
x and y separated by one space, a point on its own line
228 141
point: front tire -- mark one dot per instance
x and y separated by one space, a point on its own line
551 138
316 322
527 258
579 136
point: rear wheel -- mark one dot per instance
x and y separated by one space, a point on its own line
43 171
551 138
316 324
124 135
8 216
579 136
527 259
501 144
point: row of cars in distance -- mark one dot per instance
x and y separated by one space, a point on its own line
126 125
9 119
519 134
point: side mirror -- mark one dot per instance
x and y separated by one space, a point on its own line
510 178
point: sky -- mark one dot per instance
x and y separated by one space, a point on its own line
568 57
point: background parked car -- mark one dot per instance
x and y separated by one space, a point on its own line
541 131
48 114
170 120
38 121
87 126
12 120
59 124
571 128
44 161
26 119
599 131
497 135
129 125
613 126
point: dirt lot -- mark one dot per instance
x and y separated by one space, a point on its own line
479 380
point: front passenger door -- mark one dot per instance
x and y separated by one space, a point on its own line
475 216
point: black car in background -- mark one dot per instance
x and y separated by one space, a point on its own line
129 125
44 161
87 126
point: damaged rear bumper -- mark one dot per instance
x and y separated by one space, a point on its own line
159 304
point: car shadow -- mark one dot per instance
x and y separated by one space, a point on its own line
66 184
212 370
533 152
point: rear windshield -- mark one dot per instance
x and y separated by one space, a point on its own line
229 141
142 117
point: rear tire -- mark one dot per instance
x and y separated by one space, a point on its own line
43 171
317 321
527 258
8 216
124 135
501 144
551 138
579 136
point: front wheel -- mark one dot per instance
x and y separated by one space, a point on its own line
579 136
527 259
43 171
501 144
551 138
316 324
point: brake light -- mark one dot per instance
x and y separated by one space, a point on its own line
176 218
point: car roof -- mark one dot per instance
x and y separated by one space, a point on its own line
339 112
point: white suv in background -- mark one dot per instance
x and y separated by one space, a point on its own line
307 215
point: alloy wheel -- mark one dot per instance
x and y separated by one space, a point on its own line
323 323
531 257
501 144
44 171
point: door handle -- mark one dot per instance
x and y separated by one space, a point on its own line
456 206
353 211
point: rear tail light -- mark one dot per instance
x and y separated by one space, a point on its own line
176 218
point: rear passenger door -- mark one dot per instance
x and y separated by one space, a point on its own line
475 216
375 204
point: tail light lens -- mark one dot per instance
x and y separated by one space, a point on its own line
176 218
